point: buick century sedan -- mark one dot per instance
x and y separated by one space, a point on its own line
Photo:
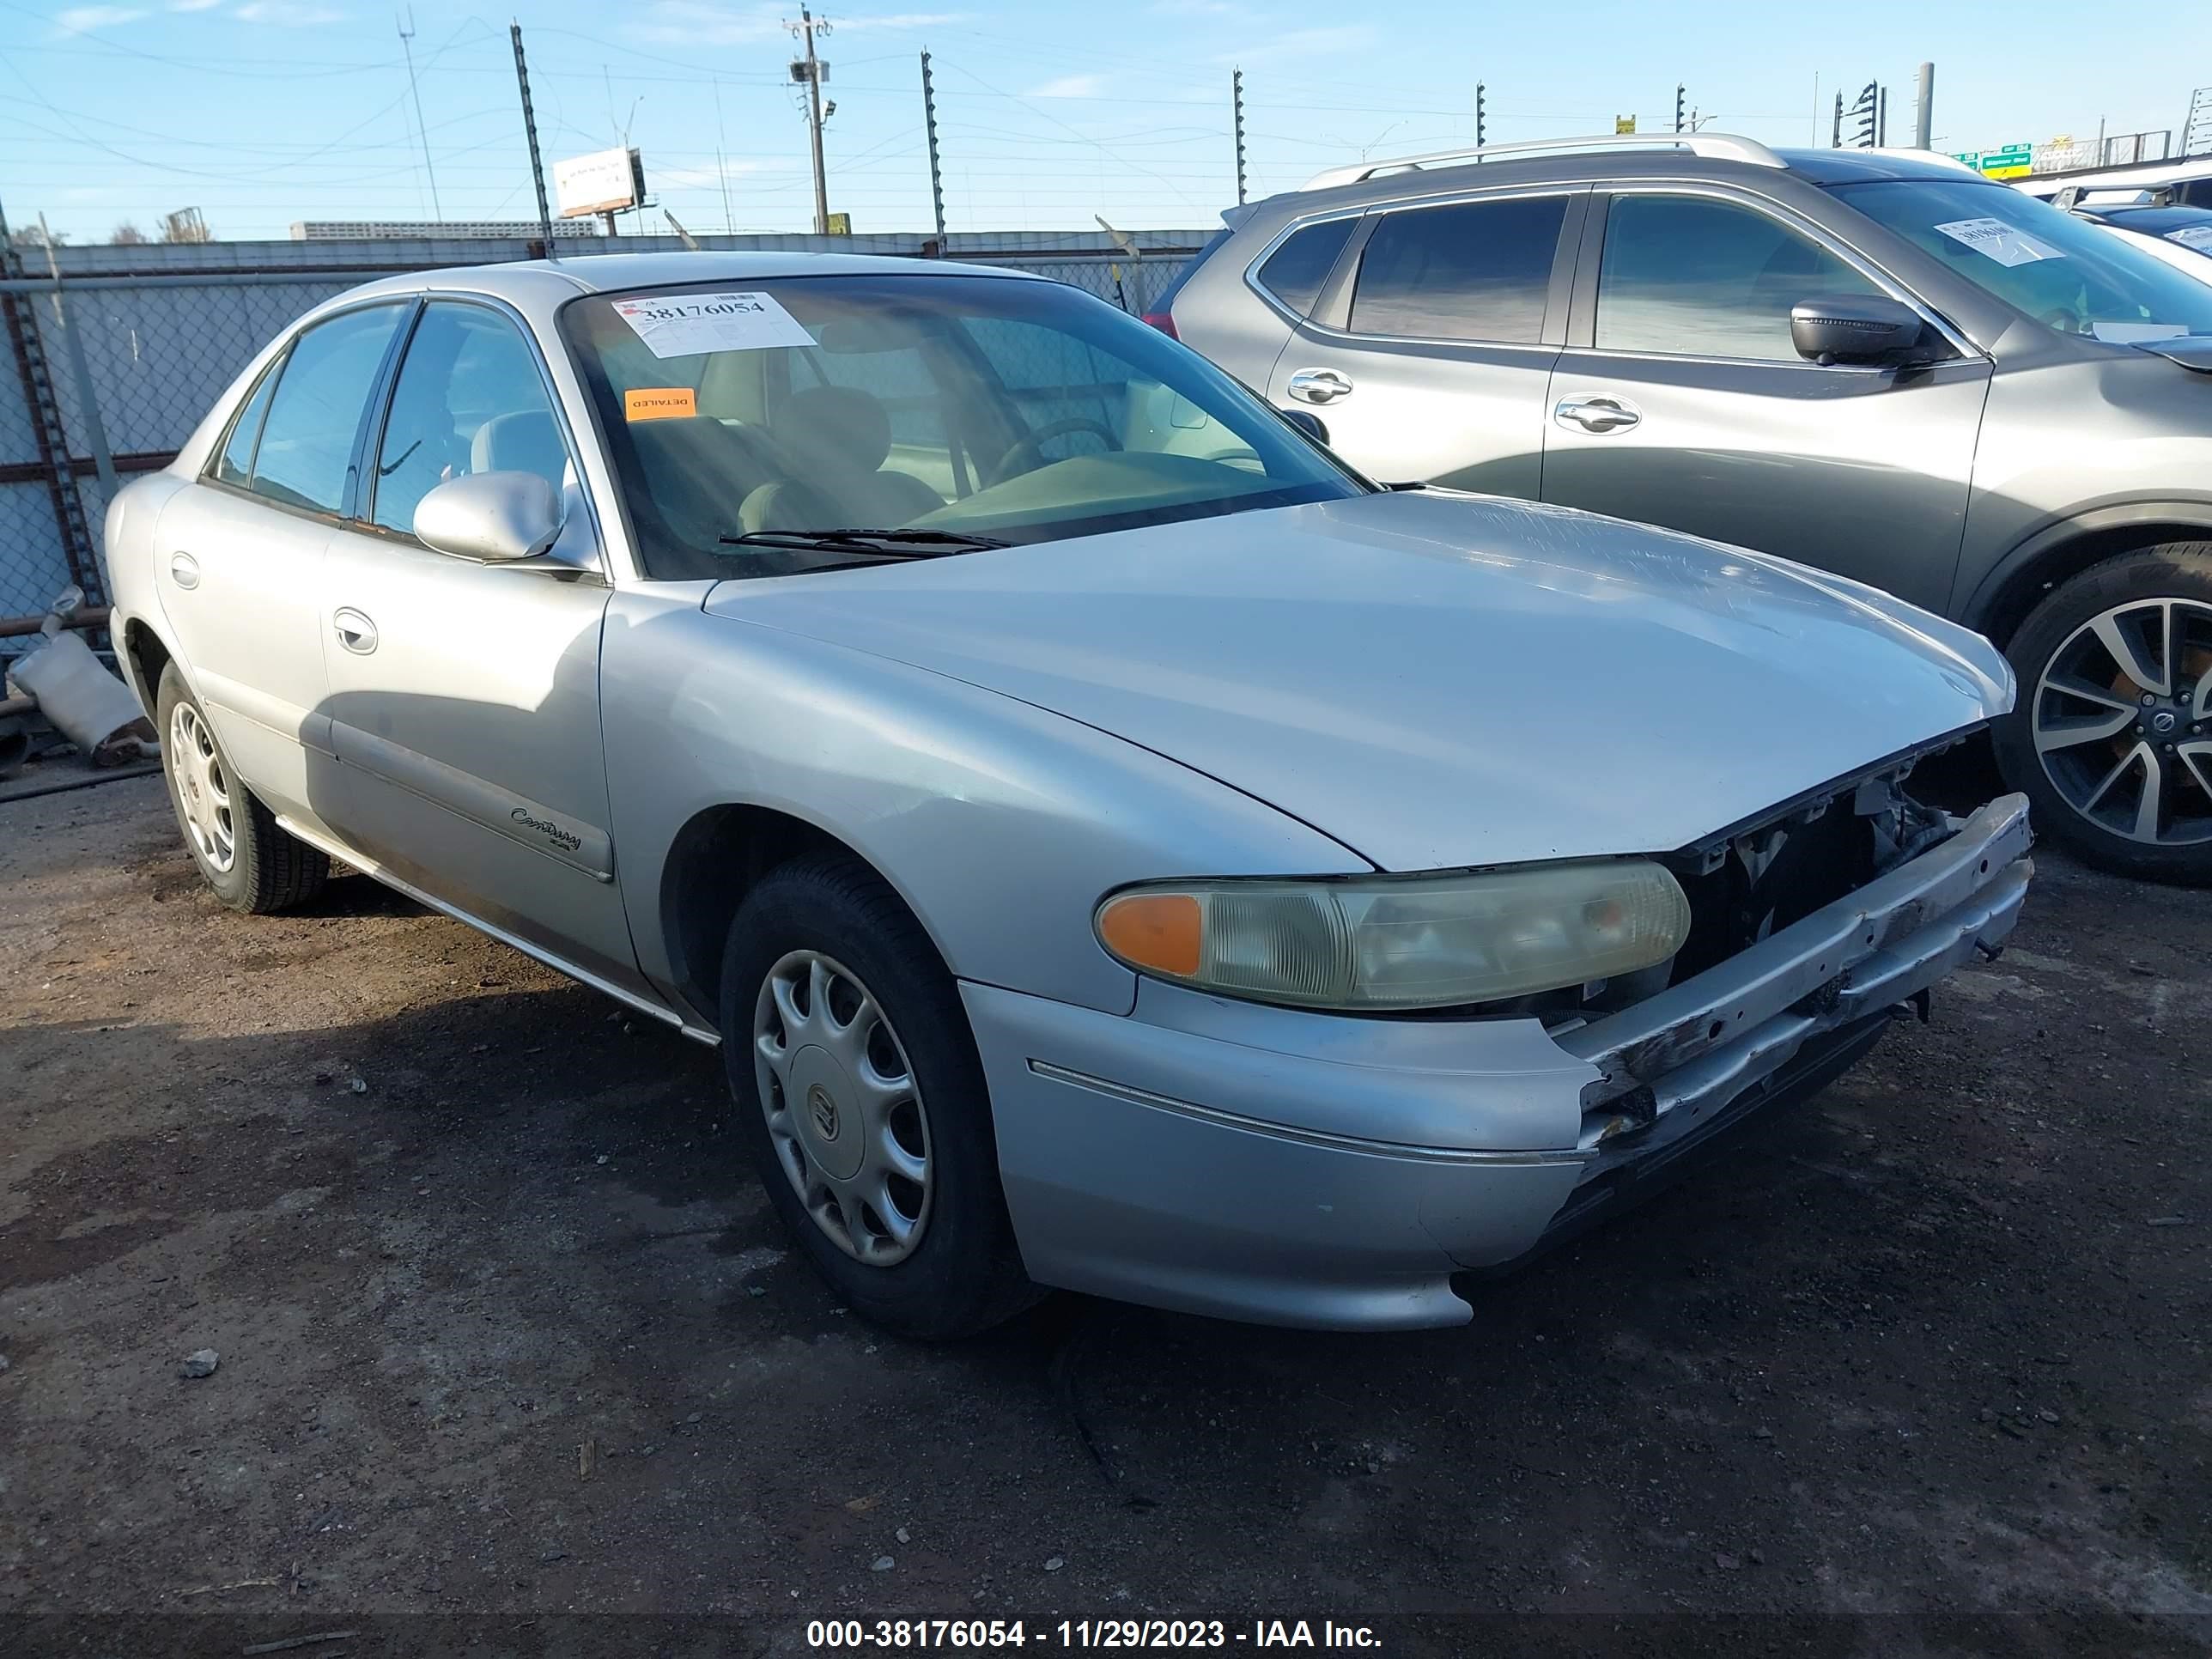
1113 845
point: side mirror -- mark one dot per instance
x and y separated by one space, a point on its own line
495 517
1308 422
1854 328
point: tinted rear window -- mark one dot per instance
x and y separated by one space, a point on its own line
1295 271
1478 271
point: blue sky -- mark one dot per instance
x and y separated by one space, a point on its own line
262 111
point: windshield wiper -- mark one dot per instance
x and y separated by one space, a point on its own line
868 544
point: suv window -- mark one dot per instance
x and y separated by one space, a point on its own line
1295 271
307 442
1691 276
235 465
469 398
1478 271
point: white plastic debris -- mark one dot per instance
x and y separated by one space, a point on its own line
75 690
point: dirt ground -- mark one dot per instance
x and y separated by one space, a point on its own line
507 1335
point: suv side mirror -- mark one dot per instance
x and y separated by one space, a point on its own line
1854 328
1308 422
495 517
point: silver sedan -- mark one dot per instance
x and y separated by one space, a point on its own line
1113 845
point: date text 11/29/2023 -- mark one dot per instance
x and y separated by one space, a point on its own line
880 1634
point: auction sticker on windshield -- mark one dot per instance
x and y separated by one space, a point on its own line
2197 236
687 325
1999 241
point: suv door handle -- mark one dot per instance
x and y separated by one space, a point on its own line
183 569
1597 414
355 631
1318 385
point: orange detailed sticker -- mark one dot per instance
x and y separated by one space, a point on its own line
660 402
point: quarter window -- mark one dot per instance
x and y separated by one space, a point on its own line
1690 276
307 442
1478 271
469 398
1295 271
236 465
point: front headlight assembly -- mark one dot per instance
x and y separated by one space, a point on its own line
1394 942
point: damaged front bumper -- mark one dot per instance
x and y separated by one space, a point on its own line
1298 1167
1682 1064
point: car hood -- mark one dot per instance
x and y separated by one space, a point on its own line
1436 680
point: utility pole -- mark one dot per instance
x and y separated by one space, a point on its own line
1923 109
811 70
936 172
406 38
1481 121
1236 122
721 165
1881 118
529 127
1679 90
1836 132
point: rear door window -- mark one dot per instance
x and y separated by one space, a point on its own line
1474 270
235 465
307 442
1294 272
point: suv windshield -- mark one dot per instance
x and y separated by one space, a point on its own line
998 408
2068 274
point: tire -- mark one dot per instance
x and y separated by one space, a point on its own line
267 869
2084 745
956 1271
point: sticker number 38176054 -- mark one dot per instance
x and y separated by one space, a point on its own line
686 324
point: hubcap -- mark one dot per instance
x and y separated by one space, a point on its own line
2122 721
843 1109
202 788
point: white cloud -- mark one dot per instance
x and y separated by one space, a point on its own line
706 178
194 5
700 23
1304 43
1070 86
83 20
285 14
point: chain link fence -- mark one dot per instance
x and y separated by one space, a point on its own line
160 332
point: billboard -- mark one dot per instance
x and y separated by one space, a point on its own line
606 181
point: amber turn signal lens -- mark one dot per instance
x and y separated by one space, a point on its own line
1162 932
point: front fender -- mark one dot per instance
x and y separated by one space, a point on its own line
999 824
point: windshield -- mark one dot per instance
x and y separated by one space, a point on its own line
1008 410
2068 274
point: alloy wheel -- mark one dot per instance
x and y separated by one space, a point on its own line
203 788
2122 721
844 1110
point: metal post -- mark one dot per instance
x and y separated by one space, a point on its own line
929 127
1881 118
1481 121
1237 116
88 406
529 127
1836 133
1923 109
1679 89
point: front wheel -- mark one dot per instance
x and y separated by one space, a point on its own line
2112 736
245 855
860 1092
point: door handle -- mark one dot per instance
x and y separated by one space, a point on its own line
1597 414
355 631
183 569
1319 385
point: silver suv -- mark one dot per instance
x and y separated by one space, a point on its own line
1876 362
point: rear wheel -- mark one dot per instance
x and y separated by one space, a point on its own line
246 857
861 1094
2113 738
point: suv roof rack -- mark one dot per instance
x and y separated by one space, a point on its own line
1717 146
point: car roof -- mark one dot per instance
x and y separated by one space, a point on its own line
1590 162
524 280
